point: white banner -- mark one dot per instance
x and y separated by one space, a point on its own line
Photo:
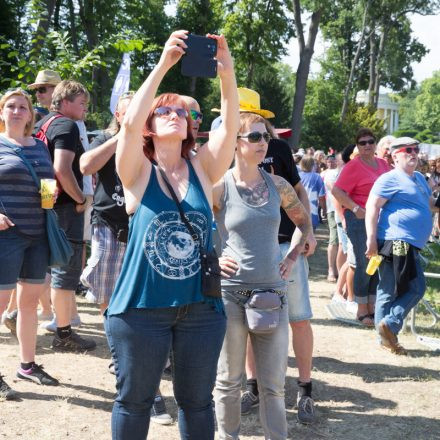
122 82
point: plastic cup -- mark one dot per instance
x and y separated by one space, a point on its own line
48 188
373 264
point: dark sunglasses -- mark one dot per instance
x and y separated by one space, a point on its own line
166 111
195 115
408 150
41 89
127 94
256 136
370 142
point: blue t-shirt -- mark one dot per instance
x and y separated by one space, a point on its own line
315 188
406 215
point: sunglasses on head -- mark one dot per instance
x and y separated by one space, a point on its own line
369 141
256 136
164 112
408 150
195 115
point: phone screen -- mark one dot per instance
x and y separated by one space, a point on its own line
199 57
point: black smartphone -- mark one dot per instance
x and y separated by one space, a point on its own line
199 57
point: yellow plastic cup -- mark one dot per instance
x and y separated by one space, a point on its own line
373 264
48 188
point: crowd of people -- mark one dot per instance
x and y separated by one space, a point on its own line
161 204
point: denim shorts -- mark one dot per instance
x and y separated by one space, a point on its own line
22 259
67 277
298 294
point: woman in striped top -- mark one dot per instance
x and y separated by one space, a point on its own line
24 251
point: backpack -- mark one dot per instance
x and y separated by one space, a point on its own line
41 133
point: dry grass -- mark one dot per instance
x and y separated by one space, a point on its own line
361 391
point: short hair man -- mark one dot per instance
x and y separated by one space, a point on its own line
398 222
69 104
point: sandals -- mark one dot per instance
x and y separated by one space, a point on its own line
367 319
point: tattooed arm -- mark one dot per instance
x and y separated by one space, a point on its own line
298 215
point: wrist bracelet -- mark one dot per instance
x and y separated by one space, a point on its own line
83 203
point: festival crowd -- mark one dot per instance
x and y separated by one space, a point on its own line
160 208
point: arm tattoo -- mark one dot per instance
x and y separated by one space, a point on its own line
289 199
256 196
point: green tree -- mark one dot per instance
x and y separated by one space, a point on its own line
427 104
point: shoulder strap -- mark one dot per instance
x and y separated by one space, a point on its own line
45 126
19 153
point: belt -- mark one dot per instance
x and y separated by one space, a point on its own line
249 293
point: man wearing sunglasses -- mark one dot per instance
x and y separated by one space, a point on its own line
44 85
398 222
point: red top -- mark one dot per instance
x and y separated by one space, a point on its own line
357 179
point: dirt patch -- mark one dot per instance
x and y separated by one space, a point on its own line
361 391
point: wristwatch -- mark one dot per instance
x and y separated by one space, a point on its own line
355 209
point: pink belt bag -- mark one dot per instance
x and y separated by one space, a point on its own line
263 311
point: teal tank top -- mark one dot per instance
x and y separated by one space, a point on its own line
161 265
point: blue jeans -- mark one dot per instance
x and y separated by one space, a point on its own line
364 284
391 308
140 341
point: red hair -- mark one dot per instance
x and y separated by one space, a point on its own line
167 99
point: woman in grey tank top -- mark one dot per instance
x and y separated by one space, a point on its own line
247 205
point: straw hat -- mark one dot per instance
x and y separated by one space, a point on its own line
250 102
45 78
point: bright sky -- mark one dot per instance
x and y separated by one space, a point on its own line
425 29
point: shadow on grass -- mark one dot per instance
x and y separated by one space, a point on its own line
374 373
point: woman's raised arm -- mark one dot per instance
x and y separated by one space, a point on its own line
130 160
217 154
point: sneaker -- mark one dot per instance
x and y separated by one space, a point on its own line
37 374
159 412
42 317
73 343
51 326
338 298
248 401
351 306
6 392
10 321
306 410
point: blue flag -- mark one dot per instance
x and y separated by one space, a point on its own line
122 82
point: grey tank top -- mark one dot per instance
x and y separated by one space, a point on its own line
250 236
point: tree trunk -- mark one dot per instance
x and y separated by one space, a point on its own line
373 59
302 73
378 64
192 86
42 28
73 32
353 65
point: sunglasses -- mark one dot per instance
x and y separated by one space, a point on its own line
408 150
41 89
370 142
195 115
127 94
165 112
256 136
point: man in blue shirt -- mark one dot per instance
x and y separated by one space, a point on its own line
398 222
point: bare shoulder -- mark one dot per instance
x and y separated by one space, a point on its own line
289 198
281 183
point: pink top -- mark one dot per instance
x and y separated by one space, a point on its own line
357 179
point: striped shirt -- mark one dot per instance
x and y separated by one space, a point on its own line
20 199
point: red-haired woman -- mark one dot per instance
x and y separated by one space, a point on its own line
157 305
24 251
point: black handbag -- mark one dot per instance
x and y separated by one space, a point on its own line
209 264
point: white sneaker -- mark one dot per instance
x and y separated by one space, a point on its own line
338 298
42 317
50 326
351 306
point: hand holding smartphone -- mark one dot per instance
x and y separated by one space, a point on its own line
199 59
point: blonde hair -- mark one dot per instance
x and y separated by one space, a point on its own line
247 119
18 92
306 164
69 90
114 126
